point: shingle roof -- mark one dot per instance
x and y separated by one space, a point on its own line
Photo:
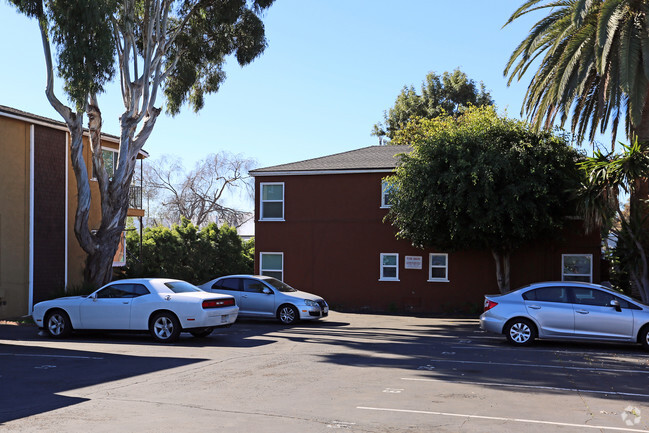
382 158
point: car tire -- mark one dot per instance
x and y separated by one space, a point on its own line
165 327
643 337
57 324
520 332
288 314
201 332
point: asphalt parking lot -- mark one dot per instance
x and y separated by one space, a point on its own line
360 373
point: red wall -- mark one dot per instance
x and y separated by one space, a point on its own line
333 235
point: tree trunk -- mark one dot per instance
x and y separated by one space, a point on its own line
502 270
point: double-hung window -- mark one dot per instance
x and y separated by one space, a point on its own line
438 267
272 265
110 158
386 194
272 202
577 267
389 267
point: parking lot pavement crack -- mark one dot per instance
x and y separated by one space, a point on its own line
325 423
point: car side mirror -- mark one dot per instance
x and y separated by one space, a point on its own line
266 291
616 304
93 297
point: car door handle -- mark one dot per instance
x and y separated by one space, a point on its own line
535 307
125 302
582 311
244 296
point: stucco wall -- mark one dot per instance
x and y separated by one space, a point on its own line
14 217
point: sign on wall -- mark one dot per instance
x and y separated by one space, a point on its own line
413 262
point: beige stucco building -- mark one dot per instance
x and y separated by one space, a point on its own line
39 253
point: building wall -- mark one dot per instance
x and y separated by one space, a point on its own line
14 217
333 236
49 212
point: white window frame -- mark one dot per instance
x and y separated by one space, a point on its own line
261 261
384 187
381 267
563 275
430 269
262 201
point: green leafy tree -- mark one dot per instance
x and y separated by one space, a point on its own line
190 254
481 181
448 94
171 47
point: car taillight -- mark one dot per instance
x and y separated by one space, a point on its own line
489 304
218 303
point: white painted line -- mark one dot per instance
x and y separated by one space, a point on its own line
498 418
509 385
569 352
511 364
50 356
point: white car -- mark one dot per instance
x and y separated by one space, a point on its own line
262 296
165 307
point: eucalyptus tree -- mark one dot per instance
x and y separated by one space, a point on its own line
448 94
170 48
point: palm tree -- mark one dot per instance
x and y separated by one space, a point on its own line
594 68
594 58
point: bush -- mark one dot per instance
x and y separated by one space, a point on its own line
189 253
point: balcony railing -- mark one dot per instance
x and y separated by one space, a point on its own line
135 197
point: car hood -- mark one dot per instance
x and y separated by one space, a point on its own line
302 295
69 300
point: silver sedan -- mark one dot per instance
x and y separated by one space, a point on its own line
262 296
566 310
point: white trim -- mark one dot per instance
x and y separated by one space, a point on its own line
320 172
590 275
67 174
381 266
31 219
261 201
261 270
430 268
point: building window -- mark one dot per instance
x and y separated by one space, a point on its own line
577 267
272 265
272 202
438 267
110 158
386 194
389 267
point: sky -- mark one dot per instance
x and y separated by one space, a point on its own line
331 69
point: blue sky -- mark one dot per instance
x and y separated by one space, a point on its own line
330 70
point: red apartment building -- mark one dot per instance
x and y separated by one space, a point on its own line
319 227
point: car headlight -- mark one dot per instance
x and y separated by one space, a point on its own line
311 303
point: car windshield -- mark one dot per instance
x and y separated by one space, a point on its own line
181 287
279 285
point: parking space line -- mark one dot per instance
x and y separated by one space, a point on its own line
498 418
570 352
50 356
547 388
511 364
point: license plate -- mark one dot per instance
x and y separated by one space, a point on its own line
224 319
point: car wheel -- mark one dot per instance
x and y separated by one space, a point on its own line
643 337
165 327
202 332
520 332
288 314
57 324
